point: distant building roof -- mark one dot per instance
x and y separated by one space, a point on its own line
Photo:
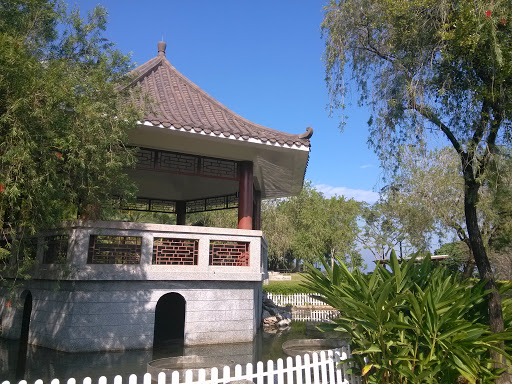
180 104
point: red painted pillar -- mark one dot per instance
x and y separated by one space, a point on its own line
245 196
256 219
181 212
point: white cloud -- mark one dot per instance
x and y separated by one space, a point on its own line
356 194
366 166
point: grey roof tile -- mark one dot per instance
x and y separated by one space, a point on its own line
182 104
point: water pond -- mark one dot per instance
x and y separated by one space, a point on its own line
47 364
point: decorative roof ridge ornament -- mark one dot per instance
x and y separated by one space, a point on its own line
161 48
307 135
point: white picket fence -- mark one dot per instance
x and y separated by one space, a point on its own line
326 368
316 316
296 300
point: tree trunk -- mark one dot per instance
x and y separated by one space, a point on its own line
496 323
480 255
470 265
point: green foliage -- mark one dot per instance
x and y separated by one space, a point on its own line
311 227
64 118
227 218
428 188
458 252
413 323
383 229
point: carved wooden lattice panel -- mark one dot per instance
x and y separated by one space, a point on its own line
212 203
168 251
229 253
114 249
151 205
186 164
55 249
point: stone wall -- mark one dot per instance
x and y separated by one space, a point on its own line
118 315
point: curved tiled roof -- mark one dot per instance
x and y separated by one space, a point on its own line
183 105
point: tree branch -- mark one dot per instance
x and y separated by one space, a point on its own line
430 116
491 141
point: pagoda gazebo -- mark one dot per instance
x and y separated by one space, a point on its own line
122 285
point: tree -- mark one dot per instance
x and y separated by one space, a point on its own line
388 224
429 185
429 68
64 119
323 227
311 227
339 223
459 255
279 231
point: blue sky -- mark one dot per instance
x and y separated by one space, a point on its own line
263 60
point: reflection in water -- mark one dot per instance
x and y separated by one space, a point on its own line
47 364
21 360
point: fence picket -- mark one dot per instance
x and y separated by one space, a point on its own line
226 374
39 381
307 368
270 372
175 377
290 370
280 371
332 366
132 379
201 376
249 368
101 380
118 379
146 378
70 381
88 380
316 373
56 381
214 375
260 372
189 376
324 364
298 365
238 372
340 374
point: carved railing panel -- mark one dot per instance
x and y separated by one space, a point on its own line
229 253
114 249
55 249
168 251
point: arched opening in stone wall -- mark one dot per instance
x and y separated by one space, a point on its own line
169 319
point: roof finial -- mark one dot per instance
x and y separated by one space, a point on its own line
161 48
307 135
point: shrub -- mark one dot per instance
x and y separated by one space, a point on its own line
412 324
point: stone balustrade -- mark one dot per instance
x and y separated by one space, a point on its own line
107 250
